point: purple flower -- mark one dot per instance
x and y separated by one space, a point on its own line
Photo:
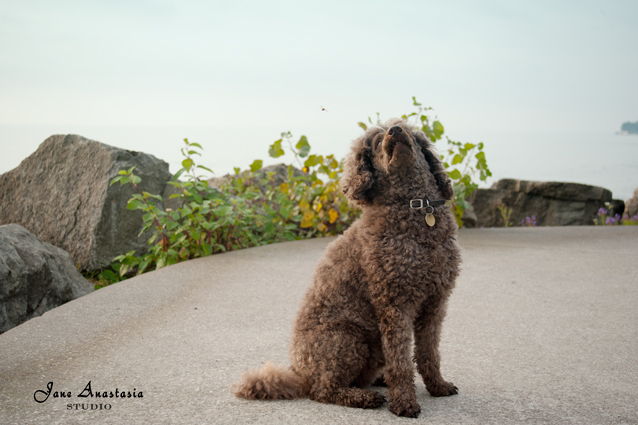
602 211
610 221
529 221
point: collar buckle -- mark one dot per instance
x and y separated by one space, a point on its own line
416 204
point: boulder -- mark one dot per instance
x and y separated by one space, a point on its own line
61 193
280 175
553 203
34 277
616 206
631 206
469 218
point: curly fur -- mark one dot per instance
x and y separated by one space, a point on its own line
381 285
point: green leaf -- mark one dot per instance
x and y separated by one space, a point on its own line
362 125
311 161
117 179
135 204
275 150
179 173
455 174
457 159
438 129
122 173
187 164
143 266
223 210
256 165
303 146
206 168
196 145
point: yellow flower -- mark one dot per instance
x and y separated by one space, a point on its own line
333 215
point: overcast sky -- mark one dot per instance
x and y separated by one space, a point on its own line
557 66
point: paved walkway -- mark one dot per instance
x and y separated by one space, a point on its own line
542 328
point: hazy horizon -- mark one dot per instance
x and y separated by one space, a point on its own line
246 71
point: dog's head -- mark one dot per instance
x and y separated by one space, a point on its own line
387 155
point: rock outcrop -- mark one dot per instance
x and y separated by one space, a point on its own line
61 193
280 175
631 206
34 277
553 203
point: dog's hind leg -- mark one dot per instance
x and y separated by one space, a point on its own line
350 397
371 374
427 334
341 359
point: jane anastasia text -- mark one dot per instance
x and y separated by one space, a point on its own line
41 396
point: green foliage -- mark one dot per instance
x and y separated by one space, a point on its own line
462 161
506 213
250 209
254 207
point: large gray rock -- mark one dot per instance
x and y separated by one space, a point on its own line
553 203
61 193
34 277
631 206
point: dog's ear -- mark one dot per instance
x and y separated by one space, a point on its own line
436 167
358 172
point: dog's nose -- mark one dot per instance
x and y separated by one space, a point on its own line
396 129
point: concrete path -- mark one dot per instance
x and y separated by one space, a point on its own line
542 328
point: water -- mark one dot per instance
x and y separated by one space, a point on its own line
596 158
599 159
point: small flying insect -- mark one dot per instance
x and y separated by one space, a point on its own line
324 109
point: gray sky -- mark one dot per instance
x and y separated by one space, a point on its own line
551 66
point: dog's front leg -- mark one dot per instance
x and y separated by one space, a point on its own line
396 331
427 334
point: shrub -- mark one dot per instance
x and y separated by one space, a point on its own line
251 209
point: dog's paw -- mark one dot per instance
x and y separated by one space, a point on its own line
406 408
376 399
442 389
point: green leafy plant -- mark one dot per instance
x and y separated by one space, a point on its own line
506 213
249 209
256 207
464 162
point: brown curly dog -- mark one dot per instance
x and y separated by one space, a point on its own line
386 278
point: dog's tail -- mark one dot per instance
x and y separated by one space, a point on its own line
271 382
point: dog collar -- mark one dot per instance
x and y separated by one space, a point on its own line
417 204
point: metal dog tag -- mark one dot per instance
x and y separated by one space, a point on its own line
429 217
